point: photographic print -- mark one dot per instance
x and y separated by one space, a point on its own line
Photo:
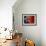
29 19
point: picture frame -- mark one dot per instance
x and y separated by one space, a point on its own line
29 19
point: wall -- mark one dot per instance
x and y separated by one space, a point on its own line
6 13
28 7
43 22
25 7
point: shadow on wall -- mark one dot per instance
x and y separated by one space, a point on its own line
17 4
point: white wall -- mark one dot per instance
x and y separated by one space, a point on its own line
28 7
43 22
6 13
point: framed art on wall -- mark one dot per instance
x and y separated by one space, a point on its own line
29 19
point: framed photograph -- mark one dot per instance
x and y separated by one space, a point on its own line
29 19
